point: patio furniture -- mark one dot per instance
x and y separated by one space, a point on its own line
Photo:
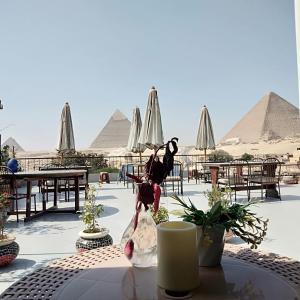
269 179
271 190
236 177
176 176
65 185
105 273
8 185
55 175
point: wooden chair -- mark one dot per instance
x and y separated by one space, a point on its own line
236 177
8 185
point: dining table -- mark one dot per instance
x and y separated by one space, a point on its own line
105 273
55 175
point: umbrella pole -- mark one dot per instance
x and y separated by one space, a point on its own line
140 153
204 155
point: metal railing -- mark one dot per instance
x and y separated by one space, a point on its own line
35 163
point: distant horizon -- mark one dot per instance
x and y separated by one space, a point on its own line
181 145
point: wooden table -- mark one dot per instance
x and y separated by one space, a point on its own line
87 168
54 175
105 273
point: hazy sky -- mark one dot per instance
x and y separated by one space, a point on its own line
105 55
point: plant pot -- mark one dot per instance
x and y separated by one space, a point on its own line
210 245
9 250
95 235
88 241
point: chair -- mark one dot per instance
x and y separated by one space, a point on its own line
269 178
176 175
8 185
47 186
236 177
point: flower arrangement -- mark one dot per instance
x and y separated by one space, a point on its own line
91 211
231 216
4 206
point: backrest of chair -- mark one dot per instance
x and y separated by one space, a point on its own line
255 166
6 183
271 167
237 171
177 169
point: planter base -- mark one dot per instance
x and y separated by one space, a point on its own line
84 244
8 253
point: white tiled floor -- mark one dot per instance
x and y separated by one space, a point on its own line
53 236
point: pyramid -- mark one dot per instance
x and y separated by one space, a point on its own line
11 142
114 134
271 118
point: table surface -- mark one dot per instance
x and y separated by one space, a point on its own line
48 174
105 273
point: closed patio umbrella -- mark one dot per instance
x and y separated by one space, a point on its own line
66 141
151 133
205 136
135 130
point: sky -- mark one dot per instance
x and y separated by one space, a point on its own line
105 55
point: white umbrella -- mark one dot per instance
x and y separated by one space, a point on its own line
66 141
205 136
135 130
151 133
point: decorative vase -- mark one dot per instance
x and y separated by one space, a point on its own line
9 250
210 245
88 241
139 240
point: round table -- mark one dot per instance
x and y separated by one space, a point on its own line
105 273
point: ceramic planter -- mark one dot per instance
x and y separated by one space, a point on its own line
9 250
210 245
88 241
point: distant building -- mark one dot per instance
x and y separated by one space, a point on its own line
271 118
114 134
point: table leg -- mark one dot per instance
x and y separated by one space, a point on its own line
86 184
76 179
55 192
28 199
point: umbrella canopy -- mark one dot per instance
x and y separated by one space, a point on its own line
66 141
205 136
151 133
134 134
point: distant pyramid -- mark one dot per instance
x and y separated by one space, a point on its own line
11 142
114 134
271 118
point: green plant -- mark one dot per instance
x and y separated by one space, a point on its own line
234 216
216 195
91 211
220 156
95 161
110 170
4 206
162 215
247 157
5 154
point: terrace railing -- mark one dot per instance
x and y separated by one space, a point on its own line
35 163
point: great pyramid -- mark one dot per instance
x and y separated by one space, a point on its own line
271 118
11 142
114 134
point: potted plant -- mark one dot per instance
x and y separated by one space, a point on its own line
9 249
162 215
93 236
223 216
